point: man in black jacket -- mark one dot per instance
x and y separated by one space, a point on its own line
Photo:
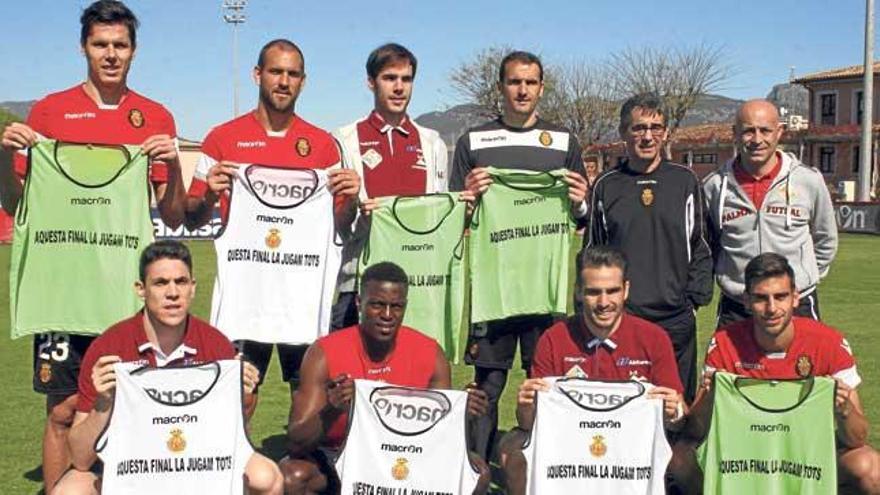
652 210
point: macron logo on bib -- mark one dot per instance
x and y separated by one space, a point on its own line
408 411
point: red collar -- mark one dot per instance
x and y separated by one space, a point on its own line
383 127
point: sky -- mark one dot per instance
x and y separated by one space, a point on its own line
184 54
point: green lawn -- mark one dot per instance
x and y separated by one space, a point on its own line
847 301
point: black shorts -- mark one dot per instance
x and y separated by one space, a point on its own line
57 359
259 354
493 344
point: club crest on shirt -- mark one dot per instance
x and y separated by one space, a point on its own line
400 471
545 138
303 148
598 447
136 118
273 239
371 158
575 371
176 443
45 372
647 196
804 366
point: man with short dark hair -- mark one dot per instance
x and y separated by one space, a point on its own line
776 344
102 110
652 210
766 200
378 348
518 139
272 135
393 155
164 333
600 342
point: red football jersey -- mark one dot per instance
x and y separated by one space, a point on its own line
816 350
392 158
244 140
637 350
71 115
410 365
128 340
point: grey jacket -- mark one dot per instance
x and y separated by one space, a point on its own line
796 220
436 179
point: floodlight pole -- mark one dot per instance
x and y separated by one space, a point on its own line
866 150
234 14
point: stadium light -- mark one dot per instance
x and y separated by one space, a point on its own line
233 13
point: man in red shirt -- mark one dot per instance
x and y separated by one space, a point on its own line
600 342
163 334
379 348
775 344
102 110
392 154
272 134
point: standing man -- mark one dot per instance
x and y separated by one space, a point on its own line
766 200
102 110
652 210
272 134
391 153
519 139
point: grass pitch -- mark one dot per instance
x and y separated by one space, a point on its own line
848 302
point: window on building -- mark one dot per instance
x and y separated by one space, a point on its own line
705 158
856 158
860 106
826 159
828 109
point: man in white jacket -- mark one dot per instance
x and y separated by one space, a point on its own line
391 153
766 200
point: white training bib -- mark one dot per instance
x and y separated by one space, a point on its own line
410 439
176 430
277 257
597 437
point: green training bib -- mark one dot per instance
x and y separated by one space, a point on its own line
424 235
770 437
520 246
81 223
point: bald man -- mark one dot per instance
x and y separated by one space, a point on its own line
766 200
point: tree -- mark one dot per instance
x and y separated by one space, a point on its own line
679 75
476 81
582 99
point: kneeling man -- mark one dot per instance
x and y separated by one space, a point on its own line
163 334
379 349
600 342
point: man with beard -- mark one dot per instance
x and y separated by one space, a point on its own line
272 134
600 342
652 210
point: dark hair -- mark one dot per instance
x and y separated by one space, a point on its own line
596 257
284 44
108 12
521 57
172 250
767 265
646 101
388 54
385 271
